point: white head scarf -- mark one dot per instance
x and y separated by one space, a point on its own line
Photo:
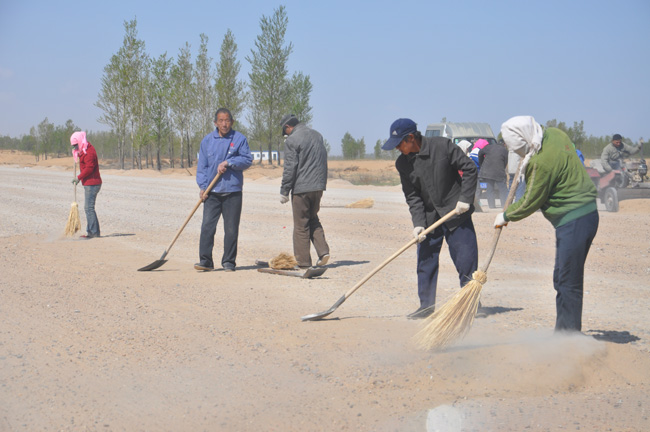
464 145
523 135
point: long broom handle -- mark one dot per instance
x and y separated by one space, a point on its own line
399 252
198 204
497 231
75 185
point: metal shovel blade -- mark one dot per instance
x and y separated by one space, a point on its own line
321 315
154 265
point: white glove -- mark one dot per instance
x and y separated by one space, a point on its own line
284 199
416 234
500 221
461 207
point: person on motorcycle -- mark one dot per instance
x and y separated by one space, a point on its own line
614 152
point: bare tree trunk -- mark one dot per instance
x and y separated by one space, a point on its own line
182 150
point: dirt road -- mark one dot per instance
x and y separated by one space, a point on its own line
89 343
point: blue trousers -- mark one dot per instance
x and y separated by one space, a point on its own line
230 206
462 249
92 223
572 243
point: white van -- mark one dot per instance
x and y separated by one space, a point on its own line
457 132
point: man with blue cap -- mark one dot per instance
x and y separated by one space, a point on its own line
430 171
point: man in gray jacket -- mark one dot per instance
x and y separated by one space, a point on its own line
305 177
616 151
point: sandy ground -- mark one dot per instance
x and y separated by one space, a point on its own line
89 343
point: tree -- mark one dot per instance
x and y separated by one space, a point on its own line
182 98
120 97
327 145
299 91
269 87
577 134
112 100
44 138
159 96
206 94
231 92
349 146
378 149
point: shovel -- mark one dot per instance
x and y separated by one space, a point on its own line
158 263
321 315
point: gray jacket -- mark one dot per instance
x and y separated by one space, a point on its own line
612 154
305 162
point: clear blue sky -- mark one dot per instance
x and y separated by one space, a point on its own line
370 62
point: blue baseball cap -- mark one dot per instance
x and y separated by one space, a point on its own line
398 130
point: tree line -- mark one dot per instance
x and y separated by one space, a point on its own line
159 108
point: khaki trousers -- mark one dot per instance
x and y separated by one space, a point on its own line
307 228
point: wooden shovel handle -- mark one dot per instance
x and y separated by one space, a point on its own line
198 204
399 252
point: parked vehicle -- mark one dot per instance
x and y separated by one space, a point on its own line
457 132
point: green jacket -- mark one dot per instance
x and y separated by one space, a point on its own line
556 182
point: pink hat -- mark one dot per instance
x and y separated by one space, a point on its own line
480 143
79 138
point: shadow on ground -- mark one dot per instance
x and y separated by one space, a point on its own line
619 337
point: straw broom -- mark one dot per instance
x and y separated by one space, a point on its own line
283 261
454 319
74 224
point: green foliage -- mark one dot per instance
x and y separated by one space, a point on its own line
206 94
353 148
299 90
269 86
231 92
159 98
327 145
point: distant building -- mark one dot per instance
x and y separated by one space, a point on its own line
264 155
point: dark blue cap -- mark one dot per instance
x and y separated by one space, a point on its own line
398 130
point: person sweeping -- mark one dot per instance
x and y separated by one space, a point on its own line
429 170
558 184
84 153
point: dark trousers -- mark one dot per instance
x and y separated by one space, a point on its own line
492 185
307 228
230 206
462 249
572 243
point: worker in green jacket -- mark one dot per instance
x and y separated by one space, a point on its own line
558 184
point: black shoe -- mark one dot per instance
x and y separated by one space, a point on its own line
229 268
201 267
422 312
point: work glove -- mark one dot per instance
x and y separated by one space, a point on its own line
284 199
417 231
75 181
500 221
461 207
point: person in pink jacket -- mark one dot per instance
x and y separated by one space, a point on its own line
84 153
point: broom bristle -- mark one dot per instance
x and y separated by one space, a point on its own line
283 261
364 203
74 224
454 319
